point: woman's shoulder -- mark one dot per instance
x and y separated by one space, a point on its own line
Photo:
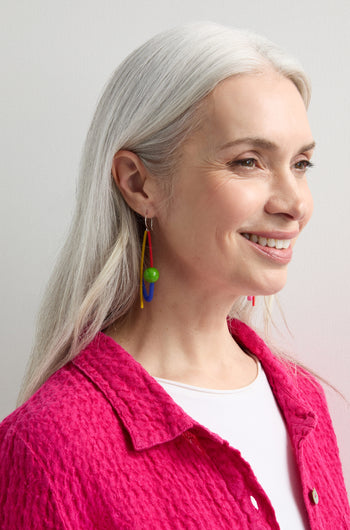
55 452
66 410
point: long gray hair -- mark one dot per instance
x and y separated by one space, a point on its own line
149 106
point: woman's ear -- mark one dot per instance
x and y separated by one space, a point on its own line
134 182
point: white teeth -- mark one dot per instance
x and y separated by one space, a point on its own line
270 242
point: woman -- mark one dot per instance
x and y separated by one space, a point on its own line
163 413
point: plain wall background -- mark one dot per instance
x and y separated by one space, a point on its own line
55 57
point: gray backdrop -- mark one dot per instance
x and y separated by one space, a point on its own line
55 57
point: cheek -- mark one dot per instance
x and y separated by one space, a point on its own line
235 204
212 214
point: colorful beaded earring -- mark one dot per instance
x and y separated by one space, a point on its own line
251 299
151 274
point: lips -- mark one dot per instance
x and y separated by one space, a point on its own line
274 245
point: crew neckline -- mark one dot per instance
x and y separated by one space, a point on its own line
194 388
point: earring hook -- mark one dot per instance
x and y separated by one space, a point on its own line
150 226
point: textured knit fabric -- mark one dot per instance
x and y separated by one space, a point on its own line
101 445
243 416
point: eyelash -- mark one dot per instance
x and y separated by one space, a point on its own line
308 164
241 162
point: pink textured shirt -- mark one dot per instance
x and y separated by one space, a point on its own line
101 445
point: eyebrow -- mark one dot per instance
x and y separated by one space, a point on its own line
262 143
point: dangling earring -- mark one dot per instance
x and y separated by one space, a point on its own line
251 299
151 274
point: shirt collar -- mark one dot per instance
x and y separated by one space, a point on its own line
287 380
147 412
151 416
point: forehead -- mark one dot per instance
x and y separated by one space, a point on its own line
265 104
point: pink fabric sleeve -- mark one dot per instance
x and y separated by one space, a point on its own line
26 497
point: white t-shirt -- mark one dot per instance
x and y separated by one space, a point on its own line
250 420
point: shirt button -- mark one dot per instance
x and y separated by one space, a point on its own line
314 496
254 502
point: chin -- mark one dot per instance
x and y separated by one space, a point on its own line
271 284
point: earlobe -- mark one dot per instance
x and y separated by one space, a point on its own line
130 176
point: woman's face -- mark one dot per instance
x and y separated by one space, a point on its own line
240 196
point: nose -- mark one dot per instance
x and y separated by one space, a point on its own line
290 196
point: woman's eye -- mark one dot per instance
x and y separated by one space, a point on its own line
303 165
244 162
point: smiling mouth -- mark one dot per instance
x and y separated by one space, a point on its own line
268 242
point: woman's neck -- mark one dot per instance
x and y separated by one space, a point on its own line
185 342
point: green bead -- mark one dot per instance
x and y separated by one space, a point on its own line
151 275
